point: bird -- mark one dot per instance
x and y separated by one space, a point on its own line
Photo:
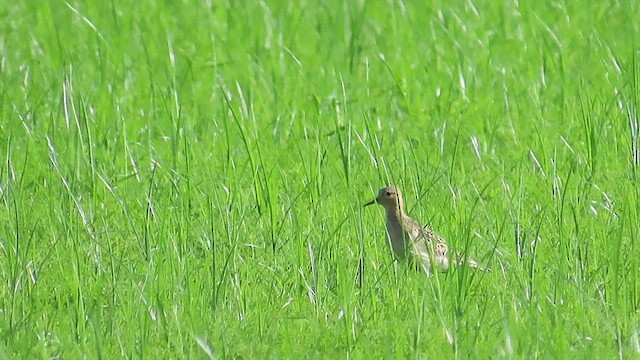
423 248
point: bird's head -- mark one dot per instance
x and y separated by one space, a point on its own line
389 197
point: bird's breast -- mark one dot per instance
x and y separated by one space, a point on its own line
398 237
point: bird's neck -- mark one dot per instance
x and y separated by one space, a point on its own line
394 213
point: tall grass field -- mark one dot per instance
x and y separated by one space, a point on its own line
186 179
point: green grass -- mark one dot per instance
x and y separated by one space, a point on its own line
185 180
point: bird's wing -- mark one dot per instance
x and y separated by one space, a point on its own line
426 237
437 241
426 245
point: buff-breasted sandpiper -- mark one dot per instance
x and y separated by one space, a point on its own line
425 249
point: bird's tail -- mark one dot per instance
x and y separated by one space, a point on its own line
471 263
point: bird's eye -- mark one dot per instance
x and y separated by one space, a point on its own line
388 193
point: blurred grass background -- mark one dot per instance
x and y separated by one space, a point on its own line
185 180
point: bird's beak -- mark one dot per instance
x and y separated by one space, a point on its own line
370 202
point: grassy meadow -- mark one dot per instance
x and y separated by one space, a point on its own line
185 180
